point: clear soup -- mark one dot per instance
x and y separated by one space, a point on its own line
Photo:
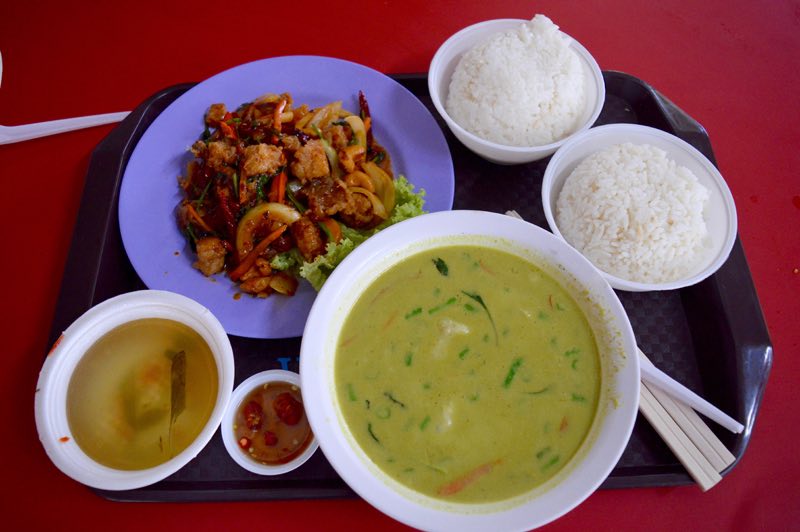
142 393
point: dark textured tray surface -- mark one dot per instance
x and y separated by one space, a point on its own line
711 337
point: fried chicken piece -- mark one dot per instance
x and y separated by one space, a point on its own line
220 155
215 114
359 213
310 161
210 255
262 159
291 142
338 137
325 197
308 237
256 285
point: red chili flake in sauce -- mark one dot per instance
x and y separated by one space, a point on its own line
272 421
253 415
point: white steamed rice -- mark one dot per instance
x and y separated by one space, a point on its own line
634 213
521 87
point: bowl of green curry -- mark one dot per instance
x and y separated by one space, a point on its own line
469 370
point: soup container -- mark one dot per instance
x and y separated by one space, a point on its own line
719 214
619 390
239 455
54 379
444 63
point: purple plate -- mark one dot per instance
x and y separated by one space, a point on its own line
149 193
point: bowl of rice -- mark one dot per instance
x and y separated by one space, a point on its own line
513 90
646 208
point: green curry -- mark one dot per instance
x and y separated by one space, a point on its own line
468 374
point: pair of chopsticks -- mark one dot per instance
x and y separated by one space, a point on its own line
670 408
685 433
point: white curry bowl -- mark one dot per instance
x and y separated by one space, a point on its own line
55 376
719 213
444 64
619 389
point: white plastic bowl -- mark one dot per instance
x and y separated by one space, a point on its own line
720 213
229 436
619 391
51 390
444 64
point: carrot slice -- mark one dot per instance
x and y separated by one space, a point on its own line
281 187
251 257
197 218
332 228
277 189
465 480
228 131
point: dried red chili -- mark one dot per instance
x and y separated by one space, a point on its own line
288 409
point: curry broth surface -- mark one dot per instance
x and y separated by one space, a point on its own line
467 373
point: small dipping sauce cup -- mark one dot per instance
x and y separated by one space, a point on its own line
265 429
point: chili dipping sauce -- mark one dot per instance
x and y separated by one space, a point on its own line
271 425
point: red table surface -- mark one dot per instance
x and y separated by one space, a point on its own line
732 65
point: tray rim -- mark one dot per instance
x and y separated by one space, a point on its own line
75 298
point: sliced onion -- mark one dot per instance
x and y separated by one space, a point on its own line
359 131
359 179
282 213
377 204
253 218
283 284
384 184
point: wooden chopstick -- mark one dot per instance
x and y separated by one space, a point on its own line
695 428
696 464
725 455
652 375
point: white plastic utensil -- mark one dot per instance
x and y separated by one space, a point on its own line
11 134
695 446
652 375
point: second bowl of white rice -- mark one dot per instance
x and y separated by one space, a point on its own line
514 90
646 208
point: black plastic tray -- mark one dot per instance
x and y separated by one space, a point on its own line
711 337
